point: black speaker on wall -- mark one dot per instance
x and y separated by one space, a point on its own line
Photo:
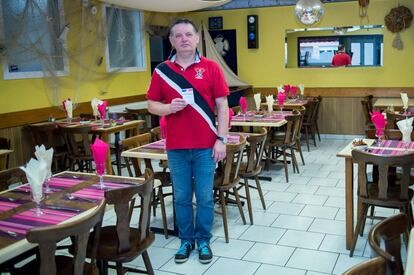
252 32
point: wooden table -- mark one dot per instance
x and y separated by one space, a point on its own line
383 103
349 186
275 119
62 183
105 131
4 153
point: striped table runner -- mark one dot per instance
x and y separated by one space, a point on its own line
21 222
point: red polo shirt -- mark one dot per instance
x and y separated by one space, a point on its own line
341 59
186 129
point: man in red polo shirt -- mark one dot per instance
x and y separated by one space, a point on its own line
341 58
186 89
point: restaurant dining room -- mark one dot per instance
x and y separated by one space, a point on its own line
237 137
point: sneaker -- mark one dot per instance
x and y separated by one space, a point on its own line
183 252
204 253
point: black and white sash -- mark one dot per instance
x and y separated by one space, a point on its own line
178 83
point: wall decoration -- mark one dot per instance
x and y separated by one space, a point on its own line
225 43
309 12
397 20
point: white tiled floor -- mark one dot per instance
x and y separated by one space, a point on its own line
301 232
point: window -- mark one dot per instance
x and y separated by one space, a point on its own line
126 40
29 34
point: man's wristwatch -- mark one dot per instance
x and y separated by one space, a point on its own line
222 139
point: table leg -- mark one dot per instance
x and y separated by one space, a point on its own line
105 138
349 201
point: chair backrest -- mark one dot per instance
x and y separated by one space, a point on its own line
121 199
310 110
255 151
47 134
372 266
229 176
4 144
384 163
392 119
366 110
11 176
370 99
317 108
47 238
390 231
394 134
77 141
150 120
292 128
133 164
156 133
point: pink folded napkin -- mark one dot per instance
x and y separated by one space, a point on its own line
293 91
99 152
281 96
102 109
163 127
231 114
379 122
286 88
243 105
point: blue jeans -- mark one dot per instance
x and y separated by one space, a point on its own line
192 170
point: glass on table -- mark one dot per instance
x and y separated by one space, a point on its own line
100 171
379 134
37 197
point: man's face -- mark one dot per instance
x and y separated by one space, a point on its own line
184 38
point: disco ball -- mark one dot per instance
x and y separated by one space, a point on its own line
309 12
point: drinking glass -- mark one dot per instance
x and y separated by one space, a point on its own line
379 133
37 198
100 171
47 179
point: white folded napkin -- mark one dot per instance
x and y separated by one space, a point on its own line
280 89
36 173
257 100
404 98
301 88
68 107
270 100
45 155
94 104
406 127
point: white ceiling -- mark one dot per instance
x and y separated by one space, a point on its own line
240 4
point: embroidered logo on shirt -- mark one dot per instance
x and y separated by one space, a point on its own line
199 72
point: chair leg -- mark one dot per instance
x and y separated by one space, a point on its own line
285 164
294 160
299 148
163 213
358 228
317 130
259 189
313 132
307 137
239 205
224 216
248 199
147 262
119 268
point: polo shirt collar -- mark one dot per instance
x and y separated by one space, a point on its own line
173 56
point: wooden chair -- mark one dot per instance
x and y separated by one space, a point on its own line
226 178
5 144
383 192
134 170
79 231
392 119
252 168
298 146
50 136
395 134
155 136
308 124
390 231
150 120
279 145
10 177
372 266
122 243
78 145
